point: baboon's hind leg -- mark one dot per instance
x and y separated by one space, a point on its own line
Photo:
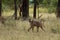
42 28
32 28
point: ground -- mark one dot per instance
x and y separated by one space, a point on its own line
17 29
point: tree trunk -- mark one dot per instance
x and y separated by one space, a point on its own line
58 9
15 5
0 8
20 8
25 8
34 14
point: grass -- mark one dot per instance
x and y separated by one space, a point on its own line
17 29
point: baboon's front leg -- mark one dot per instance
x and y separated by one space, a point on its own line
29 29
37 29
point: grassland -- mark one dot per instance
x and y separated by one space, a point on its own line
17 29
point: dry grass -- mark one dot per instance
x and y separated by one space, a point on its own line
17 29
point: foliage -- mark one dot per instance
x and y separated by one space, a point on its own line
49 4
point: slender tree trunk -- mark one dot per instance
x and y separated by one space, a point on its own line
0 7
58 9
15 5
2 19
20 6
25 8
34 14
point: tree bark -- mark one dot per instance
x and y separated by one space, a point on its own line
25 8
0 7
58 9
20 6
34 13
15 7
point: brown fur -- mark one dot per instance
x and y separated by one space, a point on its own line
36 23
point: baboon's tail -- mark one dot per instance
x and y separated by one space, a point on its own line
40 16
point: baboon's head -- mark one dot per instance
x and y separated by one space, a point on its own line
30 20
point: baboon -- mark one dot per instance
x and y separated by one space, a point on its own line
36 23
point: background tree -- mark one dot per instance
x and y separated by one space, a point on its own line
15 7
34 14
0 7
25 8
58 9
20 8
